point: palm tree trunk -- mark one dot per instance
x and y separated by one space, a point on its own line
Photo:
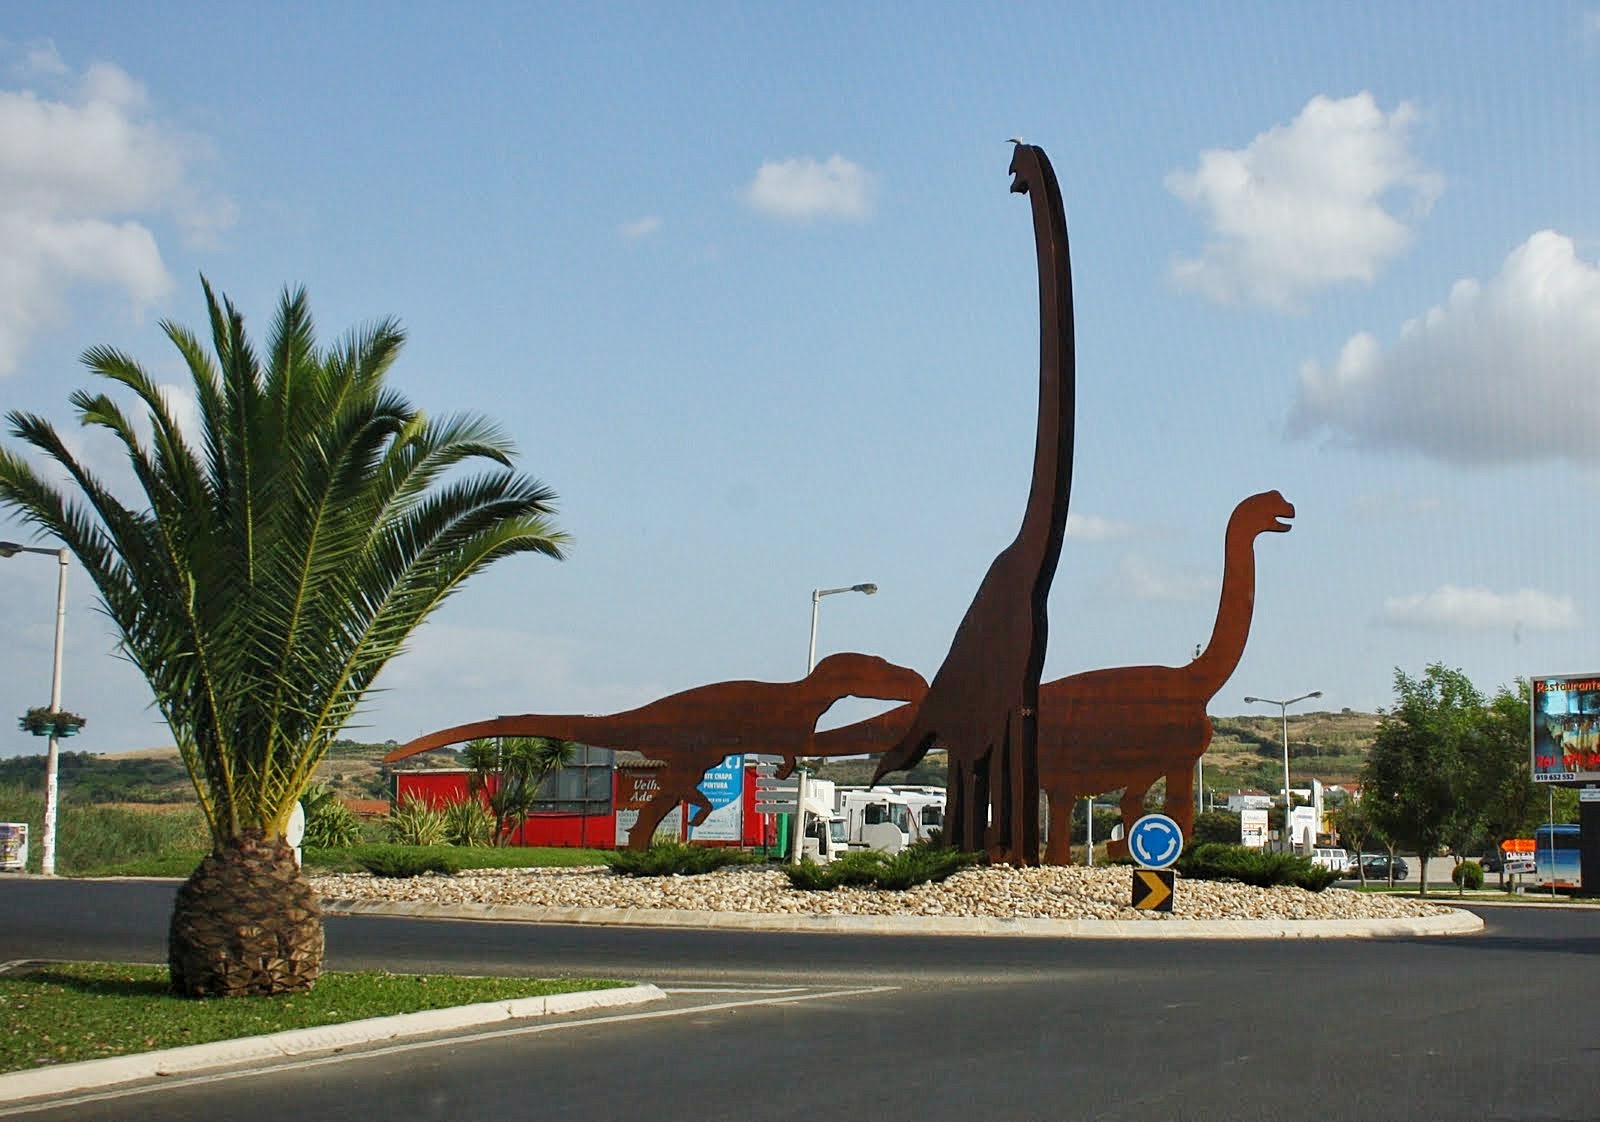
245 923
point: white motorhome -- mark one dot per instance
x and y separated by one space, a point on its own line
889 818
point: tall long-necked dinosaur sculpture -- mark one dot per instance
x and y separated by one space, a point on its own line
694 730
982 704
1130 725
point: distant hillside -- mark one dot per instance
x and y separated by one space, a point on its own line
1246 753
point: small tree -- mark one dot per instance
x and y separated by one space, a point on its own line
1416 776
508 772
1356 827
1215 826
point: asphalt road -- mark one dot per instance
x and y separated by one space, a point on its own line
1502 1025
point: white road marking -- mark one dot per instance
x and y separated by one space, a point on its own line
442 1042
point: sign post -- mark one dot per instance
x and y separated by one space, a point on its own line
1156 842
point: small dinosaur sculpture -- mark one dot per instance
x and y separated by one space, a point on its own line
982 704
1128 726
694 730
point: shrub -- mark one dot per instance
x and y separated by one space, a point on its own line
468 823
1215 826
667 859
329 823
1259 867
922 863
399 862
1467 874
414 822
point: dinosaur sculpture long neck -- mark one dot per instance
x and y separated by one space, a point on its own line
1045 518
1214 665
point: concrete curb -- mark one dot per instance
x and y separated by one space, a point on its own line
90 1074
1454 923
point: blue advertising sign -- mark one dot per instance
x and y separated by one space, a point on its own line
723 787
1155 841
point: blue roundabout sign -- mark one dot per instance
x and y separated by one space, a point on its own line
1155 841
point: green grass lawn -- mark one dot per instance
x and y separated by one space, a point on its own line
63 1012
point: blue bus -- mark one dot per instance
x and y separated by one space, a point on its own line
1555 853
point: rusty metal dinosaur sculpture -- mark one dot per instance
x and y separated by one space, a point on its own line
1128 726
696 729
982 705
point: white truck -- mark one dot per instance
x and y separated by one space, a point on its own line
889 818
822 831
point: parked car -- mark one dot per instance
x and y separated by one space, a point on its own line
1376 866
1491 861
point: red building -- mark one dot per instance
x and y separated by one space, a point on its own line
588 803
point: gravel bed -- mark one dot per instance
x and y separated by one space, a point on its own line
1074 892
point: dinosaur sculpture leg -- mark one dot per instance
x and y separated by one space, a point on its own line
980 807
1058 847
650 816
698 799
1180 800
1022 780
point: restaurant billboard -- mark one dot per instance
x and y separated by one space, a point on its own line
1565 712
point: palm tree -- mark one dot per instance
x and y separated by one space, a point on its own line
282 553
510 770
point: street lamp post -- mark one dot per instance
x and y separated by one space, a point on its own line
47 844
1283 713
816 600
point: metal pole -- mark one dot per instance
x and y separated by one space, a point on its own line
47 852
1284 709
1089 820
797 844
811 653
1200 768
1552 836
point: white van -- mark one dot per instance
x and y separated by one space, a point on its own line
1338 860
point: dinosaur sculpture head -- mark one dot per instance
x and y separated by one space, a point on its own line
1024 168
859 675
1267 512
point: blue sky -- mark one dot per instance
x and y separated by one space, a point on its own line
746 285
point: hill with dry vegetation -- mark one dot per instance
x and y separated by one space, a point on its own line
1246 753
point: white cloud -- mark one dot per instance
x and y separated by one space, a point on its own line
1501 372
640 228
800 190
1450 608
1093 528
80 173
1141 579
1307 204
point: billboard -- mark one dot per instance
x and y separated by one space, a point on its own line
723 787
1565 709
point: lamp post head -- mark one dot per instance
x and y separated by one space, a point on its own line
869 589
9 549
1251 700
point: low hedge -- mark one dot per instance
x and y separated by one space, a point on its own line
867 868
670 859
1467 874
1259 867
401 862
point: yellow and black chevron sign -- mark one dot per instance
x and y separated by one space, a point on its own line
1152 889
